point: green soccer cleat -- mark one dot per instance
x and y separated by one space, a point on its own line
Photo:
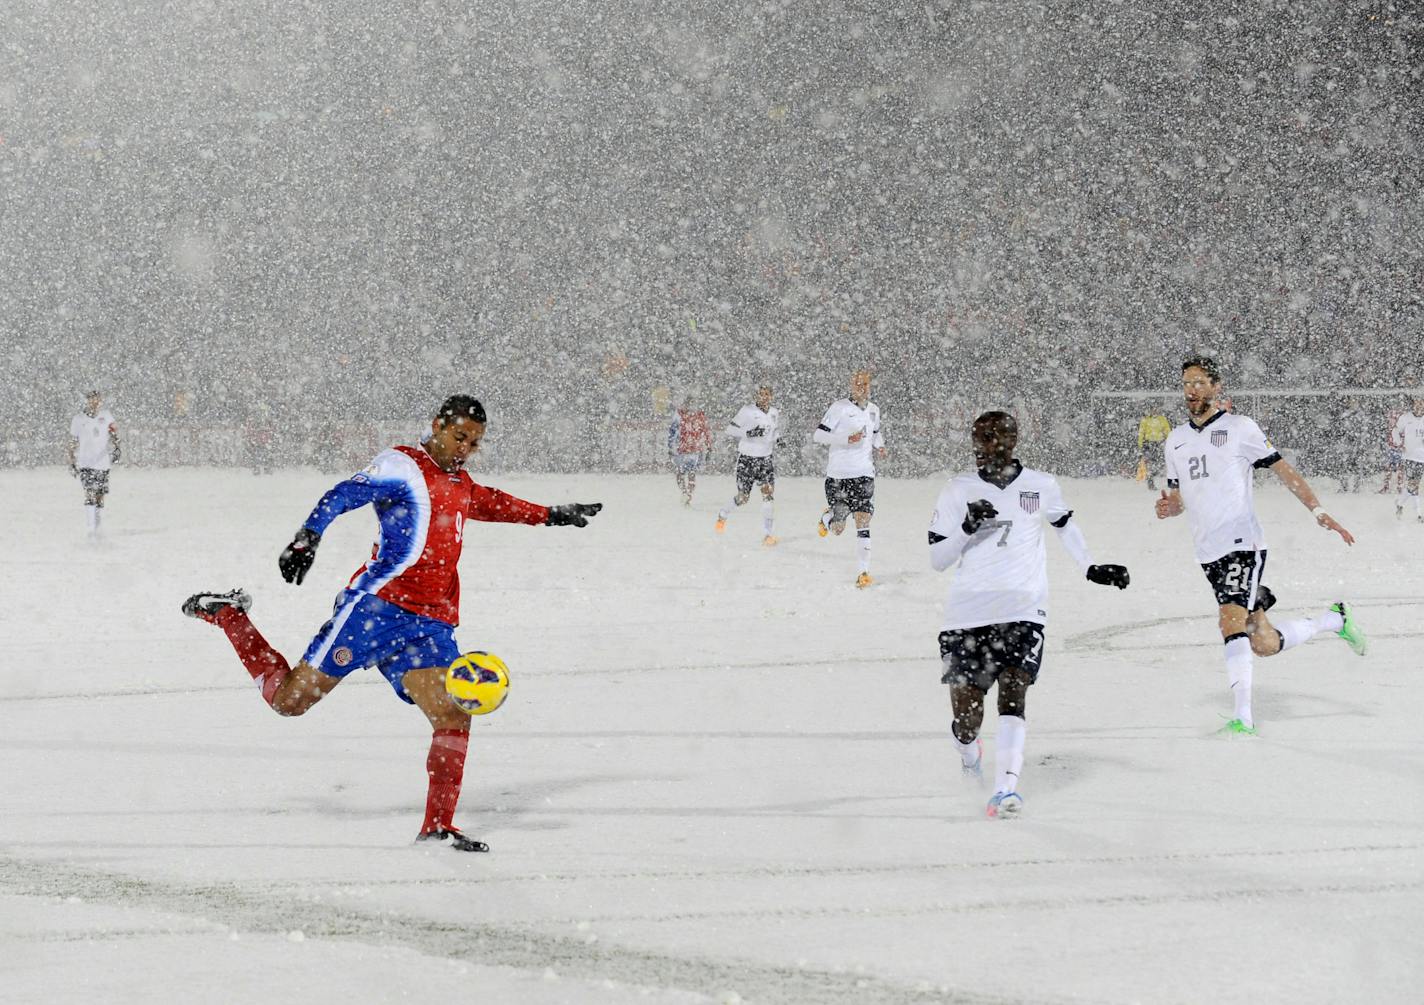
1238 728
1351 632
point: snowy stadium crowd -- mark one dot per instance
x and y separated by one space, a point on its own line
565 215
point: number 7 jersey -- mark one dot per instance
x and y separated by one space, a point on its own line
1211 466
1002 574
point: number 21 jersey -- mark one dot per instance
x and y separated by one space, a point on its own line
1211 465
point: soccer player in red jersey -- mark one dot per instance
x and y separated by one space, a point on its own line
399 611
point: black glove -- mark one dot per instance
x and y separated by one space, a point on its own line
979 511
572 514
1109 575
114 453
297 557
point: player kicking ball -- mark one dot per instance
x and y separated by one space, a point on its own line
1210 461
399 612
990 521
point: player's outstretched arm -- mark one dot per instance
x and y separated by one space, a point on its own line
1170 504
353 493
1300 488
494 506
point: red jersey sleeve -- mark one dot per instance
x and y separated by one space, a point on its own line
494 506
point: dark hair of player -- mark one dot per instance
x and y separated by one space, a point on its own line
1002 420
1205 363
461 406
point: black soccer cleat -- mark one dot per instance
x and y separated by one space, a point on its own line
458 841
205 606
1265 599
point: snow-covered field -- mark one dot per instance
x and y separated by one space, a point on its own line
723 774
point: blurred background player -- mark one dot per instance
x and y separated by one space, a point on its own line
93 450
1393 456
1210 462
851 428
399 611
756 428
1152 432
990 521
689 442
1408 433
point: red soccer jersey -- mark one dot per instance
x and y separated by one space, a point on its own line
422 512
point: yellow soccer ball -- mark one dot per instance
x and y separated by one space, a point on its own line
477 683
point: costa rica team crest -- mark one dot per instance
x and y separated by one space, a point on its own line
1028 502
1218 437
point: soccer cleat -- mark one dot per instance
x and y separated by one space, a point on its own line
1238 728
1399 511
821 528
721 525
1265 599
458 841
1351 632
1004 806
205 606
863 580
770 541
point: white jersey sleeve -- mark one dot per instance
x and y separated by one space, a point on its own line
947 537
1253 445
1060 518
827 433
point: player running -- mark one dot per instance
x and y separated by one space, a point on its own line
1408 432
1210 462
689 443
93 450
756 428
991 521
851 428
400 609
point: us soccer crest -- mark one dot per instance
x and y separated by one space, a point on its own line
1218 437
1028 501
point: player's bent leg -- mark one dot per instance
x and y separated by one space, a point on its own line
1265 639
302 688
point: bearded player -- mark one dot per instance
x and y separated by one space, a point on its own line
399 611
1210 461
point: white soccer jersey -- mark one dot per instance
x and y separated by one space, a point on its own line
756 431
843 420
92 432
1409 434
1211 465
1002 574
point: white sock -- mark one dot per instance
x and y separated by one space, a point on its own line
1009 753
726 510
1415 497
1293 633
968 752
862 549
91 518
1399 497
766 513
1239 664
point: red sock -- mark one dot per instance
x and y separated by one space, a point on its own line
445 764
264 663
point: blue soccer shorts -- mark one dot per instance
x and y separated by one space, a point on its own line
366 631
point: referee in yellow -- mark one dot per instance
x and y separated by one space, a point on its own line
1152 433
